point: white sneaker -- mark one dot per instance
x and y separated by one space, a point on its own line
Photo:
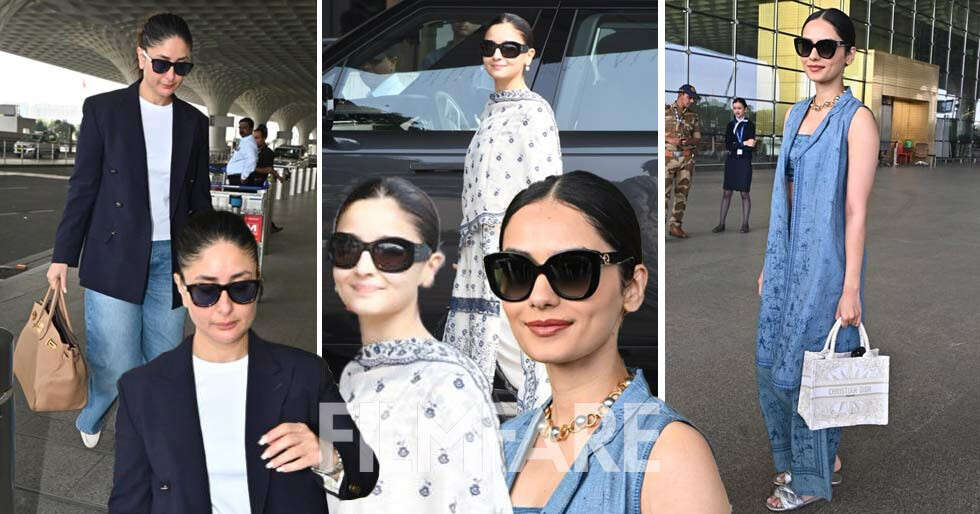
90 440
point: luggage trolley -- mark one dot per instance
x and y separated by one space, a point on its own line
252 203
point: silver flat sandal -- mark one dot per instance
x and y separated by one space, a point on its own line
789 500
785 477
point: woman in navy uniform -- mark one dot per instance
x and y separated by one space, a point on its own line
740 141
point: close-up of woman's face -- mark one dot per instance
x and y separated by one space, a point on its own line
173 49
220 263
366 290
738 109
817 68
549 328
498 66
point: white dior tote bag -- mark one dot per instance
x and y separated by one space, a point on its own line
838 390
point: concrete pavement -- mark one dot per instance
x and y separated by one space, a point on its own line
54 473
923 246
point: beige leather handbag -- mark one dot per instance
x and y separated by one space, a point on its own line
47 361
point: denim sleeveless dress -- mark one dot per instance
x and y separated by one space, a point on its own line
607 475
804 264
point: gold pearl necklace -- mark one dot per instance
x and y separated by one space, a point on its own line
581 422
828 103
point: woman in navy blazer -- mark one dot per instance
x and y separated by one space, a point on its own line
140 170
227 422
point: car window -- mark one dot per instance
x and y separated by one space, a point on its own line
427 74
609 74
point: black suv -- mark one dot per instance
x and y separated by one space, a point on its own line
403 93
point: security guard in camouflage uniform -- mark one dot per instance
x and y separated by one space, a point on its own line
683 132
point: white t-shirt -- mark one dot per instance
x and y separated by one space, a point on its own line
221 388
158 134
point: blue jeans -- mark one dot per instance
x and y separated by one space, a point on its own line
120 336
807 454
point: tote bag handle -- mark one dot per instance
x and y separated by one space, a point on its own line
830 344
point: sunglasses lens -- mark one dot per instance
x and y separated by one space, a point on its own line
392 256
826 48
487 48
803 46
183 68
345 250
204 295
572 274
244 291
160 66
511 277
510 50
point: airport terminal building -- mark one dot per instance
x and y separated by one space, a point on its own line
916 67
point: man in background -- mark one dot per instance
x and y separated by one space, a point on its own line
244 159
264 167
682 134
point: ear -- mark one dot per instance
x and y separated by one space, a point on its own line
850 56
430 268
182 289
530 55
636 289
139 57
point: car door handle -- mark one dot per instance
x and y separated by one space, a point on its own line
436 167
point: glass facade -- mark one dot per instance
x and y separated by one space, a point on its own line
744 48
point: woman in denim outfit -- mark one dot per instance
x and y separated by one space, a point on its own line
814 264
603 443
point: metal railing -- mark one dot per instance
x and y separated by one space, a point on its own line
36 153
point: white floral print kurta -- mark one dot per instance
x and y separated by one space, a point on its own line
515 145
425 410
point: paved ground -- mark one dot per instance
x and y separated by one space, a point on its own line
54 473
28 216
922 283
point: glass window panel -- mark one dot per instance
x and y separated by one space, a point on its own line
924 7
710 34
902 46
903 22
923 38
970 70
940 49
786 54
855 70
721 8
678 3
761 113
791 86
715 113
944 10
715 76
780 116
861 35
879 40
974 22
881 15
791 16
754 44
956 55
827 4
674 25
907 4
758 13
858 10
857 88
754 81
953 84
969 90
608 73
959 15
675 69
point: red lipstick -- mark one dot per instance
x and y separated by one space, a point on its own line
547 327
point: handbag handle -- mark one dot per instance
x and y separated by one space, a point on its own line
830 344
57 299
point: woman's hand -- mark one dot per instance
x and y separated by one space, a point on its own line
849 309
761 276
749 143
58 276
292 447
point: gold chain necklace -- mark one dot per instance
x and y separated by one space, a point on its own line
828 103
581 422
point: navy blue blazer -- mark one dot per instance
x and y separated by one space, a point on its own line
160 460
107 216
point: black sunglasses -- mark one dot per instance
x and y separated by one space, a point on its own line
826 48
390 254
242 292
162 65
573 275
508 49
